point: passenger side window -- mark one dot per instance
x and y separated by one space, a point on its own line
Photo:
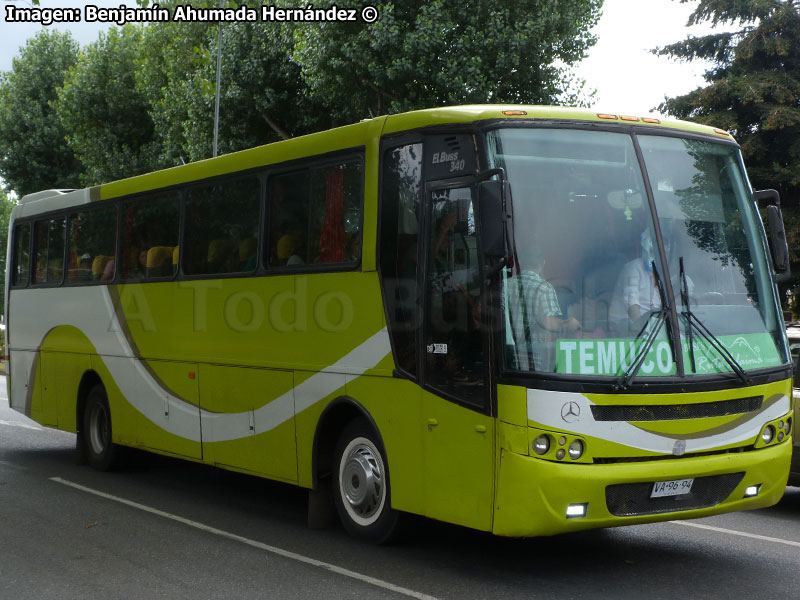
49 251
150 237
222 227
92 245
22 249
315 215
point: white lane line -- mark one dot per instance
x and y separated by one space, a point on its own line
18 424
261 546
755 536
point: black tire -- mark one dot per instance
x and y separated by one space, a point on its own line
361 487
101 453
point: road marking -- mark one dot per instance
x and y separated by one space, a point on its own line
18 424
763 538
266 547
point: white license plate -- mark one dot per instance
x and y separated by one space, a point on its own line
676 487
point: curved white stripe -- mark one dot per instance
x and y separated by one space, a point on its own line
545 407
91 310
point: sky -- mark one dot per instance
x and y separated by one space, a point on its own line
627 76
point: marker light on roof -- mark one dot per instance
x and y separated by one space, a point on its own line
626 118
721 132
650 120
514 113
607 116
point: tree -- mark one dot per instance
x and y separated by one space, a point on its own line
753 91
107 120
753 86
420 54
34 154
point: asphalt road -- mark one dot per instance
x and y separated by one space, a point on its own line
169 529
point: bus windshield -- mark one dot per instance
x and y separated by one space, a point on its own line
589 293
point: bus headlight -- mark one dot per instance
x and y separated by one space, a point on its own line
541 444
576 449
768 434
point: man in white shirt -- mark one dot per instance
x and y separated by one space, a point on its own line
636 293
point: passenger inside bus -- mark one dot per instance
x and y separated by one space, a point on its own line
534 299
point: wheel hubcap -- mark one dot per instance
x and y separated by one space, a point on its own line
98 429
362 482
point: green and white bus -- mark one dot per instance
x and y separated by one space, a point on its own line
524 320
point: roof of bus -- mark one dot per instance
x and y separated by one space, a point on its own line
482 112
352 136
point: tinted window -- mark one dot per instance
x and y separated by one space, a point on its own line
150 237
92 245
22 249
49 251
315 215
402 177
222 227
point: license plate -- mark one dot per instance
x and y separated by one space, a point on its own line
676 487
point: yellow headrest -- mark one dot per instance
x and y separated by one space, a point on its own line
217 250
286 246
247 248
158 255
99 264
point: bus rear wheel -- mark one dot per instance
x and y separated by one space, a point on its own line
101 452
361 489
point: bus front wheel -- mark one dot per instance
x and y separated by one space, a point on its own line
101 452
361 488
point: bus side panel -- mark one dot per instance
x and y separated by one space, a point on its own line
396 407
314 392
173 425
65 357
25 383
248 420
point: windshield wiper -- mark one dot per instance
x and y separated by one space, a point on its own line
696 324
626 380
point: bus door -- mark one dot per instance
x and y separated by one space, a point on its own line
459 432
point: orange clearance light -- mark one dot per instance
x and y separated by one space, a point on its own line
624 118
515 113
191 375
721 132
607 116
650 120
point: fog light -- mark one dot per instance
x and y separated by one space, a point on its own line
752 491
576 511
541 444
560 454
768 434
576 449
780 436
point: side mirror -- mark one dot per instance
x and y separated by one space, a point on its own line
776 232
494 202
766 198
779 248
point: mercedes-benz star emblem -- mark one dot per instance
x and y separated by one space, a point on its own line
570 412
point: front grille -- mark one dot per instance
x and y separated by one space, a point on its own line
672 412
633 499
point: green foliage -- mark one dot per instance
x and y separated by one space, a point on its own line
33 152
420 54
753 90
753 86
106 118
142 98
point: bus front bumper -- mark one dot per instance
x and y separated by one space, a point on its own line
534 495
